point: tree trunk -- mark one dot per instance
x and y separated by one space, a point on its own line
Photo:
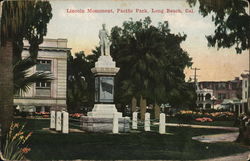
133 104
157 111
143 106
6 86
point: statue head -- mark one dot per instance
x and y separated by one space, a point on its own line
103 25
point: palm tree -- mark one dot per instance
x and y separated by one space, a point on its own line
18 19
6 79
151 61
11 19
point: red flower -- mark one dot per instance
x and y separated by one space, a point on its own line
25 150
204 119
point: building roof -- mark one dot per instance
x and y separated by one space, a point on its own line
50 45
235 80
244 75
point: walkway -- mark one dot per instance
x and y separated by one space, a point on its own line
235 157
204 126
227 137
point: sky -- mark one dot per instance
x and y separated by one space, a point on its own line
81 30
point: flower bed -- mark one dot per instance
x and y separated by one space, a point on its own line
188 115
76 115
204 119
42 114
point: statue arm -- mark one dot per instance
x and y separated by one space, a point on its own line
99 35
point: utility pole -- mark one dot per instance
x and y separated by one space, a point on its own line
195 74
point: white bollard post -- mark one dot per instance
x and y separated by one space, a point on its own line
58 121
65 123
134 121
162 126
115 124
52 119
147 122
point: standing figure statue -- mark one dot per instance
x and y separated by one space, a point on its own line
104 41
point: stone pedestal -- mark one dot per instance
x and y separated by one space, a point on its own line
102 124
101 118
104 111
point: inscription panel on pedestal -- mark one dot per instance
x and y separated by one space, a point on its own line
104 89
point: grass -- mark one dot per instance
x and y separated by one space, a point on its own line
177 145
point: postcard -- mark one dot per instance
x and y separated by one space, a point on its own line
125 80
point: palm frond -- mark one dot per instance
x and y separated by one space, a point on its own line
23 85
24 64
23 80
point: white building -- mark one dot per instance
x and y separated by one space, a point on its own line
204 98
42 96
245 85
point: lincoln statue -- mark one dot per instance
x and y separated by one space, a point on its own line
104 41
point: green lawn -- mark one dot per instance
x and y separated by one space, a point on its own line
177 145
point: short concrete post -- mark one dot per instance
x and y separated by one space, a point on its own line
58 121
147 122
42 109
134 121
52 119
115 124
162 126
65 123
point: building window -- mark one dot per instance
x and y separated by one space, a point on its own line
221 86
208 106
43 89
43 84
221 96
208 96
245 95
43 65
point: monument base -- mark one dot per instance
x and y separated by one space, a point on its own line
104 111
100 119
98 124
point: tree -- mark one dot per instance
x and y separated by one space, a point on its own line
151 61
77 86
20 19
231 21
232 29
81 80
